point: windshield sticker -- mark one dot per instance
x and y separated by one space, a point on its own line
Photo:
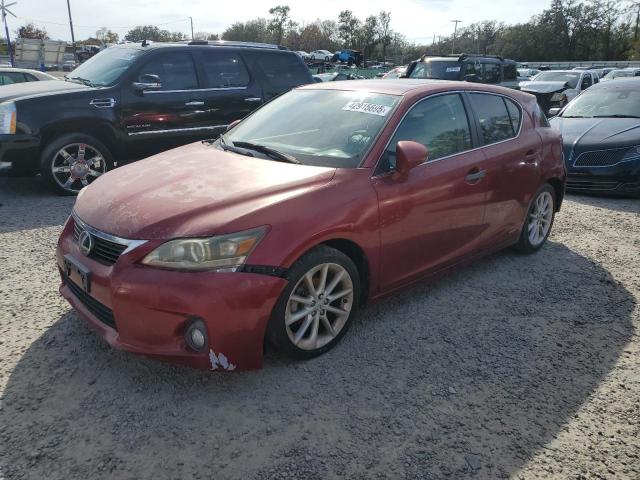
453 69
372 108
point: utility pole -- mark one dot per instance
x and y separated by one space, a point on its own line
191 20
455 29
5 10
73 38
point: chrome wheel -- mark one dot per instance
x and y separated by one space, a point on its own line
540 218
319 306
76 165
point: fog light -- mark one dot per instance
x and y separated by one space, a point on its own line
196 336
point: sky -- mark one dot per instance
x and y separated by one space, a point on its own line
418 20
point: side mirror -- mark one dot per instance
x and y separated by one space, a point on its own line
472 77
233 124
554 111
409 155
147 82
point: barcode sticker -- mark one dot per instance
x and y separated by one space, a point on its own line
372 108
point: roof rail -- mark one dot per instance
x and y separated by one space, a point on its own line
462 56
231 43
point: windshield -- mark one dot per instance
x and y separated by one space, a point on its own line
445 70
569 77
619 73
605 103
318 127
105 67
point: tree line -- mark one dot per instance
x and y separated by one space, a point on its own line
569 30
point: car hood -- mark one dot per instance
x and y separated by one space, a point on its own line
543 87
196 190
598 132
27 89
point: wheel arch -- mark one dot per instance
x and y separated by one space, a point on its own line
102 131
558 187
355 252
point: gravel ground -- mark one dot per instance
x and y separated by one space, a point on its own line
513 367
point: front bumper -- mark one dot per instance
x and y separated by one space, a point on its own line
619 179
19 148
151 308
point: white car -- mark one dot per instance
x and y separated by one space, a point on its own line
321 55
9 75
304 55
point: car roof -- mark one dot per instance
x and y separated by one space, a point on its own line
205 44
402 87
624 83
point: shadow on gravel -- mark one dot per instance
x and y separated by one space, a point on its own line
619 204
468 376
27 203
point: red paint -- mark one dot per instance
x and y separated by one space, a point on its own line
408 225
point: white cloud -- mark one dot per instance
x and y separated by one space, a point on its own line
418 20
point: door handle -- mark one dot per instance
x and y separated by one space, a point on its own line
253 100
194 103
531 156
475 175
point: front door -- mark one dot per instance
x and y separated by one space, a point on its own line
435 216
155 120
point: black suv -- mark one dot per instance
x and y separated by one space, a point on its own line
470 67
133 100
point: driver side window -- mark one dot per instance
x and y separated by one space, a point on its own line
586 81
440 123
175 69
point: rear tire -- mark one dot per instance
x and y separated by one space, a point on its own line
539 221
73 161
305 323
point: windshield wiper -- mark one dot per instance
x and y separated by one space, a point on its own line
616 116
275 154
84 81
230 148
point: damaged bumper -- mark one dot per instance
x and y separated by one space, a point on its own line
147 310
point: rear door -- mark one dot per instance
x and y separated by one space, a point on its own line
158 119
230 91
513 151
435 216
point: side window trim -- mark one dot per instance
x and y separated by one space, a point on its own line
476 118
470 121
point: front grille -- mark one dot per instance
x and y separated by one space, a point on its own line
587 184
104 251
601 158
100 311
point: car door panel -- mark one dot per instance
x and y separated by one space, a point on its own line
435 216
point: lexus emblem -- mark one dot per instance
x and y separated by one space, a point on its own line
85 241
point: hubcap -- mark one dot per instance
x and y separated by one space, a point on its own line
319 306
540 218
76 165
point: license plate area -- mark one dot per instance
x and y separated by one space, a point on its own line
78 273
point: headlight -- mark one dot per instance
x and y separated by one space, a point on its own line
223 253
8 118
632 154
558 97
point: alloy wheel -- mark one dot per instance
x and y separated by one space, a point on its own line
540 218
76 165
319 306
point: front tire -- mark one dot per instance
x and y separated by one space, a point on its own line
318 306
72 161
539 220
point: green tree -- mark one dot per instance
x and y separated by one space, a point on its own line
278 22
251 31
384 32
348 28
30 30
104 35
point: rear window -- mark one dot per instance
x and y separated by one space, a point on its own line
510 72
495 121
438 69
283 71
491 72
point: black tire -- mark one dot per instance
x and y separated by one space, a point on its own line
277 334
524 244
50 153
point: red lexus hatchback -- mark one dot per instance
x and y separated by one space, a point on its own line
329 196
